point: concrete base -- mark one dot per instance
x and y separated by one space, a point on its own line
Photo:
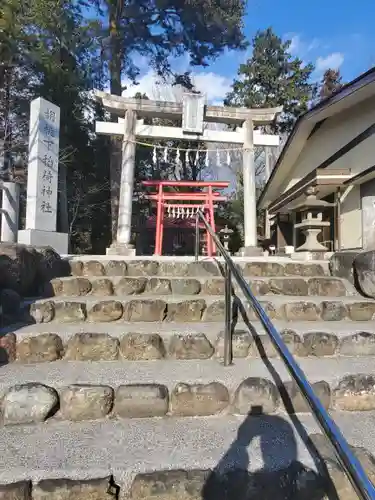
35 237
251 252
324 255
124 249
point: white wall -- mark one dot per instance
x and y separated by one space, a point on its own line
367 191
333 134
351 220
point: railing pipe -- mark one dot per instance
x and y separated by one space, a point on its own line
351 465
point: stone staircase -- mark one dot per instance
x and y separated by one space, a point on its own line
115 388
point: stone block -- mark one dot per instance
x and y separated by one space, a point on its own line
141 401
142 346
42 312
297 401
333 310
361 311
173 268
328 287
28 404
214 286
285 286
67 489
355 393
359 344
171 485
303 269
143 268
255 392
75 286
215 311
260 287
262 346
199 399
263 269
116 268
92 347
131 286
41 348
241 342
159 286
293 342
192 346
102 287
70 312
202 269
302 311
186 311
76 267
85 402
105 311
16 491
320 344
185 286
93 268
269 308
144 310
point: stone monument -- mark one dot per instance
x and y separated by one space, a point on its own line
42 179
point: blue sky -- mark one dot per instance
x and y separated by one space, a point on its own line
328 34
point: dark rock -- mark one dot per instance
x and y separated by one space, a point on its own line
341 265
364 273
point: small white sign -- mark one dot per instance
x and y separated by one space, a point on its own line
43 166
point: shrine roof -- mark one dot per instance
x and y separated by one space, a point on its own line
350 95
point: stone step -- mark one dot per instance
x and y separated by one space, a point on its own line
140 285
183 268
188 308
171 459
148 341
75 390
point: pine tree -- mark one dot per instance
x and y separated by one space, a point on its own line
331 83
273 77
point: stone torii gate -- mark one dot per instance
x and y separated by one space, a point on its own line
194 112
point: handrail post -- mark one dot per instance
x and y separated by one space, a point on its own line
196 237
228 317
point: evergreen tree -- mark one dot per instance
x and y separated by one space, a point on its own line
331 83
273 77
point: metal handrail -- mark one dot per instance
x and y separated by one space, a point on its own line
351 465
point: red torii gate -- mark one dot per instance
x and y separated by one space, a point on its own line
187 202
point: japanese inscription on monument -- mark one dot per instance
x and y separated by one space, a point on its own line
42 179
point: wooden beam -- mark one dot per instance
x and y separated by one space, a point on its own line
159 132
173 110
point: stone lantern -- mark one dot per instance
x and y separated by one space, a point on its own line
226 233
312 221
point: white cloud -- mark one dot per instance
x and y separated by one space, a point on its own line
301 47
295 45
332 61
215 86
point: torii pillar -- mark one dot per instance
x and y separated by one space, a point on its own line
194 113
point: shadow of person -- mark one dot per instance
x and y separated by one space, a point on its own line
278 473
